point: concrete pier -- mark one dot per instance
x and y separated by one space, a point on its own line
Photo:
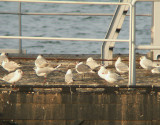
92 101
82 108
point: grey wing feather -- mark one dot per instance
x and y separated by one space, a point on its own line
115 76
122 66
148 63
83 68
45 70
41 62
12 65
92 64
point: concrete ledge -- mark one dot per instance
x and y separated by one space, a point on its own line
12 51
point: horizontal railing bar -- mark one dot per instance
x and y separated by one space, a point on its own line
134 1
147 47
66 39
71 14
78 86
68 2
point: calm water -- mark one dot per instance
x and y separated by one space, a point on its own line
68 26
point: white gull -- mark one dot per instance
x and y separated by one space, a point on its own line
112 77
2 57
10 65
102 72
120 66
92 63
156 70
44 71
41 61
82 68
69 76
146 63
13 76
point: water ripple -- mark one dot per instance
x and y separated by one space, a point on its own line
69 27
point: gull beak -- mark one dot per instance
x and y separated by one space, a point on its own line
35 68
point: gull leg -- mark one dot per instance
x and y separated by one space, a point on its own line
45 79
14 87
83 76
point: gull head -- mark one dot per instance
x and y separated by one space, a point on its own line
89 59
5 60
3 54
142 57
102 68
19 71
35 68
69 71
79 63
119 59
39 56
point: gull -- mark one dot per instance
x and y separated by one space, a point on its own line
10 65
120 66
156 70
44 71
13 76
82 68
69 76
112 77
146 63
41 61
2 57
102 71
92 63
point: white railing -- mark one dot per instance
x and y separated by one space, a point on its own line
131 40
79 39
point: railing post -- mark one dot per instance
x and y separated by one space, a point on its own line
130 48
20 29
133 76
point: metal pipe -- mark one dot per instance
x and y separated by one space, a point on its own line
134 1
68 59
133 76
130 49
72 14
67 39
148 47
69 2
20 29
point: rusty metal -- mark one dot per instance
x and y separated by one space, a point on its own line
52 58
67 59
33 57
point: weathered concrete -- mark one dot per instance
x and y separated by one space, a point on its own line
94 108
80 106
30 78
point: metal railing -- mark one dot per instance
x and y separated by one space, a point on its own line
134 47
70 39
131 40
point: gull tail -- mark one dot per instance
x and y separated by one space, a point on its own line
57 66
2 79
92 71
19 65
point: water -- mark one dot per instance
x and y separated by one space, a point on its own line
68 26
